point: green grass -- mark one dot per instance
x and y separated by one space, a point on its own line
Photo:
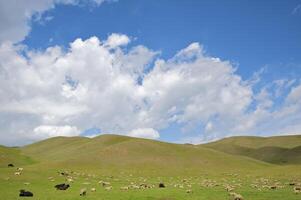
123 161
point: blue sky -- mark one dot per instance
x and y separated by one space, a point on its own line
260 41
253 34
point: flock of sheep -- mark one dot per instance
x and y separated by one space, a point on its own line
230 184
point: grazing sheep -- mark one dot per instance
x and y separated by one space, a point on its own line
273 187
189 191
62 186
17 173
135 187
10 165
161 185
238 197
124 188
108 188
24 193
83 192
143 186
103 183
26 183
297 190
20 169
229 188
64 174
93 190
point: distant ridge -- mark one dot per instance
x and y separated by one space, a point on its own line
276 149
117 152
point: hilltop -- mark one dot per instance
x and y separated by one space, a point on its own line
276 150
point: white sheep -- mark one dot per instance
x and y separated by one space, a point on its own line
83 192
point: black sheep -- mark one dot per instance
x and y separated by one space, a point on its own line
161 185
24 193
10 165
62 186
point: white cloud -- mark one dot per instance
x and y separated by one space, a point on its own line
45 131
116 40
295 95
149 133
16 15
91 85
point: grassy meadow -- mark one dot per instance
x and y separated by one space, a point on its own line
120 167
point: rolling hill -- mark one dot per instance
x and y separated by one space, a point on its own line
127 161
116 152
276 150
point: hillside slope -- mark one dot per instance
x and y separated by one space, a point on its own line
276 150
13 155
121 152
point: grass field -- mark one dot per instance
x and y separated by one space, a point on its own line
127 165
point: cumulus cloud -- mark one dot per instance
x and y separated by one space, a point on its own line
116 40
149 133
16 15
133 91
45 131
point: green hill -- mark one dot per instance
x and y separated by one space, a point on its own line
129 162
276 150
13 155
116 152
